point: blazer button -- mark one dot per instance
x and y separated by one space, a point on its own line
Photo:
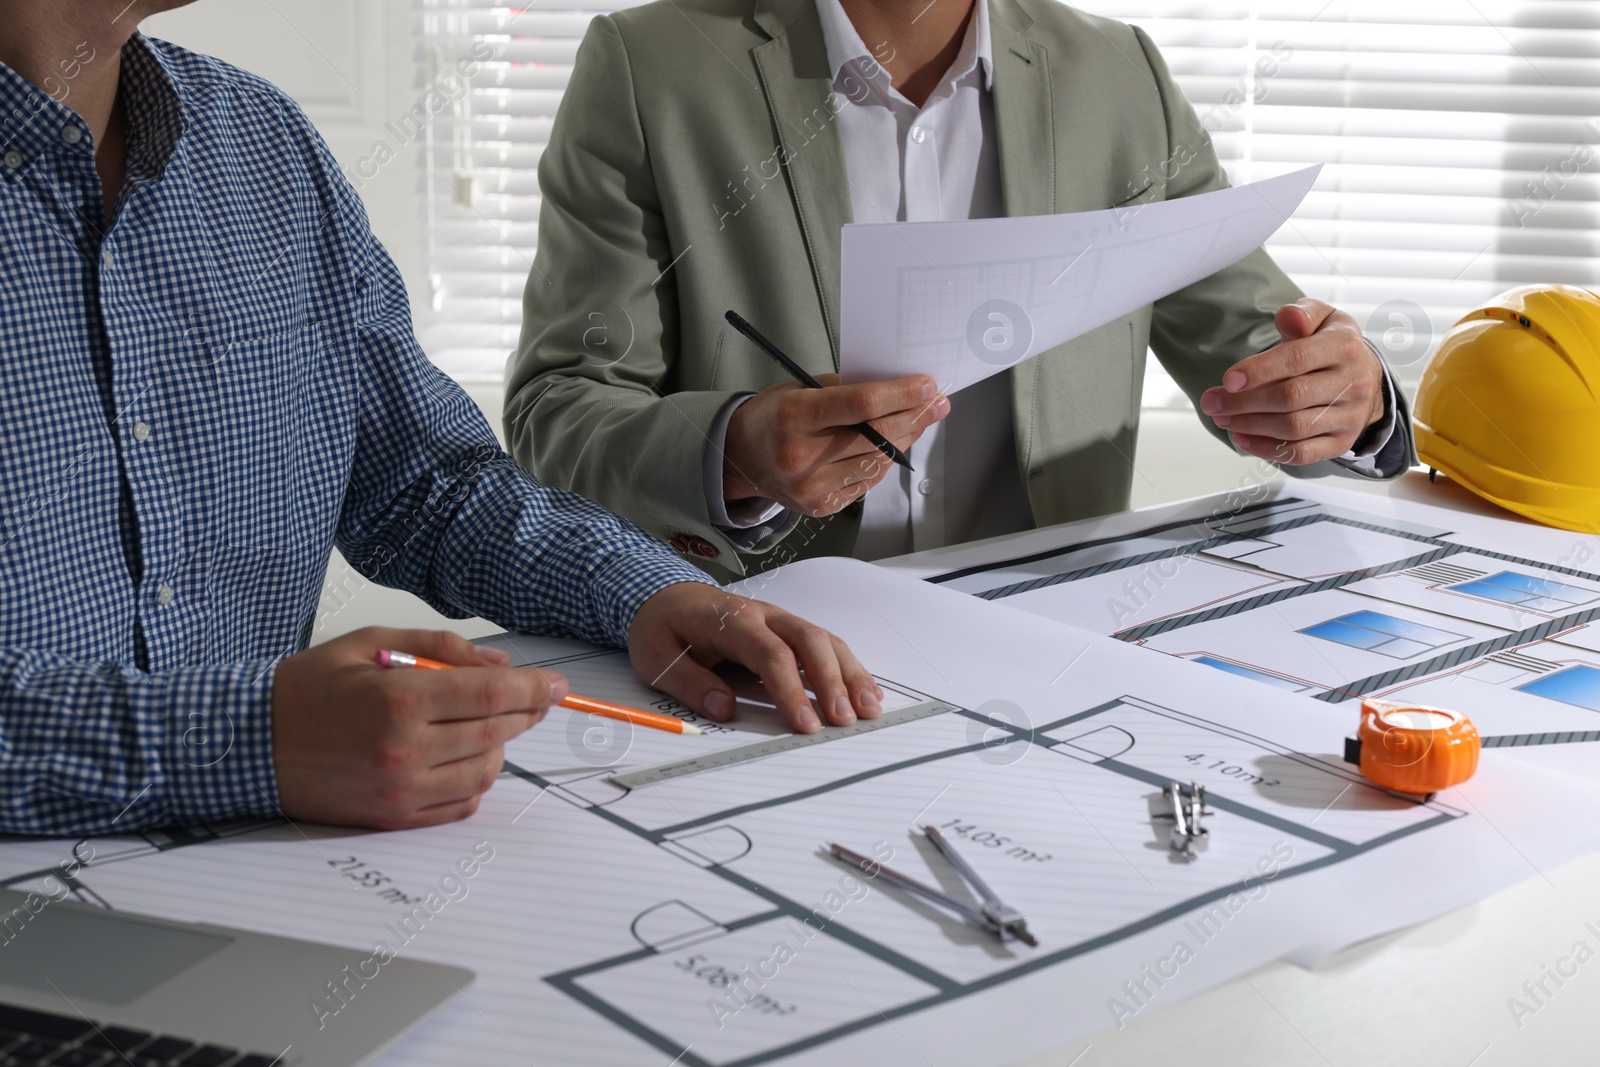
699 546
679 544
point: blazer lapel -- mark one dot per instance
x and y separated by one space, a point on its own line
1051 117
793 67
1022 113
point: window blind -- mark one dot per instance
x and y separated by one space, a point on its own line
480 157
1460 141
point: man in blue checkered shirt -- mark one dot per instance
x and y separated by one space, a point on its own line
209 380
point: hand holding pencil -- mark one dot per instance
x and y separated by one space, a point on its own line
386 657
353 745
814 445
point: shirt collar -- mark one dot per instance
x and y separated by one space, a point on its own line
156 106
31 120
844 44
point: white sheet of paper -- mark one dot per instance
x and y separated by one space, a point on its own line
963 300
611 928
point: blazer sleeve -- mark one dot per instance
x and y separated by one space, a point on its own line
590 398
1203 329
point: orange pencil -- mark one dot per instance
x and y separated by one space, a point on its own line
389 658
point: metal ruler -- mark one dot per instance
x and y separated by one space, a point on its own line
772 746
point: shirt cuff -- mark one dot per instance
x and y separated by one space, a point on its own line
758 515
218 744
637 584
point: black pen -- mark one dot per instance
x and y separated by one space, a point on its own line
798 373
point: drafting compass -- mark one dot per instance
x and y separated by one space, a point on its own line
993 916
1188 837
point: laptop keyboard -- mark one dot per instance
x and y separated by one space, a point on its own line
31 1038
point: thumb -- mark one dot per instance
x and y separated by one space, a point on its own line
1302 318
699 688
663 662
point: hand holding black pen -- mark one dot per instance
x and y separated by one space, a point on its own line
801 375
811 448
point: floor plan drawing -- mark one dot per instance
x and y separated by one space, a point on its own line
705 920
725 871
1101 768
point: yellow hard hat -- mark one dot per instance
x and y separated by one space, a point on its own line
1510 405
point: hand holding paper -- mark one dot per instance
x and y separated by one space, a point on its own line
1308 399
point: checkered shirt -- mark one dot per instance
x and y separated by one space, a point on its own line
198 403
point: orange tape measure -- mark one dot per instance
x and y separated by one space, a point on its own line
1414 749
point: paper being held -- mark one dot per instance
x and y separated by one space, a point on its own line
960 301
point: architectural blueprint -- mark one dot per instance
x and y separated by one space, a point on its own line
701 921
1334 595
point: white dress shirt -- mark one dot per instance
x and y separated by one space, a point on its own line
938 162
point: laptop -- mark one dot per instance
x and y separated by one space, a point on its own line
84 987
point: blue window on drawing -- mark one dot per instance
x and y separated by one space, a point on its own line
1264 677
1526 591
1383 634
1579 686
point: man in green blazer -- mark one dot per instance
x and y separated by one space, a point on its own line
704 158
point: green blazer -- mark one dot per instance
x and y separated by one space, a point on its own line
695 166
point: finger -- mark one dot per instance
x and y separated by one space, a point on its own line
904 427
847 443
864 689
814 648
700 689
1312 390
442 645
831 503
1291 359
458 781
1290 453
847 405
1334 419
451 741
663 661
865 470
438 814
477 692
749 640
1302 318
838 485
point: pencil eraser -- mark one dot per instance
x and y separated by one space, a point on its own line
382 657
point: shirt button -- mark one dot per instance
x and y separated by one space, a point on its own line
925 486
918 133
71 134
141 431
164 595
13 159
108 262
